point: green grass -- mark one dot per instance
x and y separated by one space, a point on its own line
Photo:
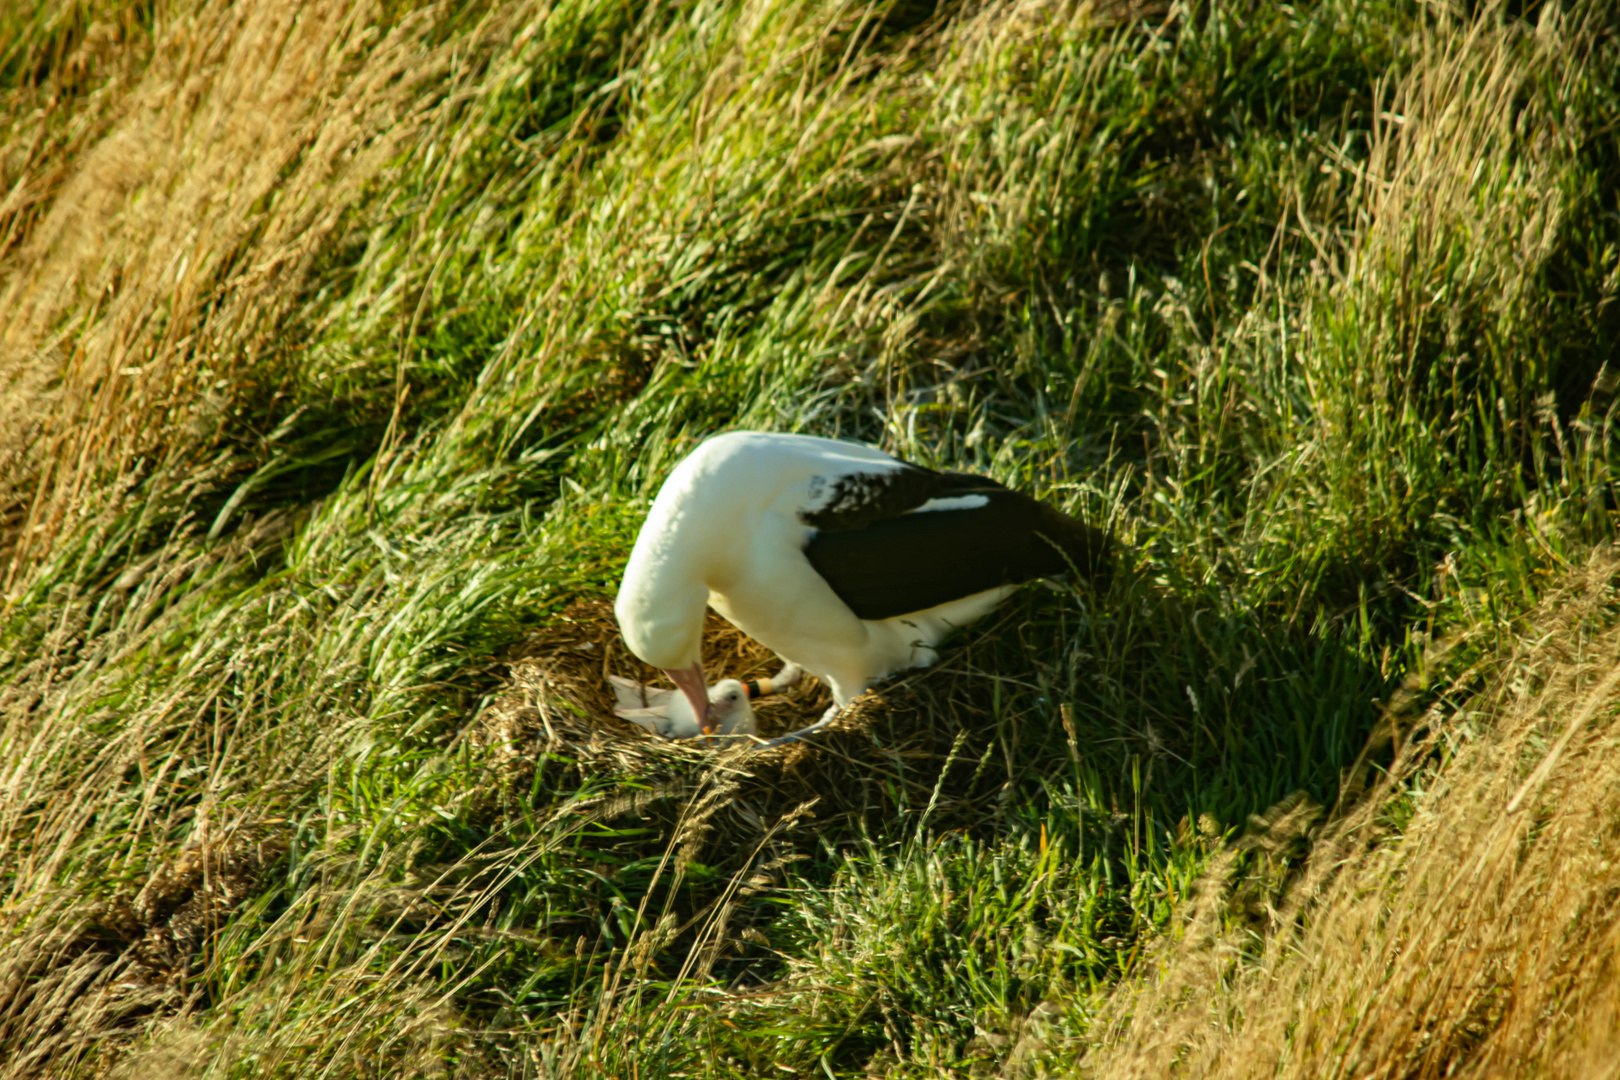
1313 305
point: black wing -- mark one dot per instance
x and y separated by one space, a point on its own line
904 562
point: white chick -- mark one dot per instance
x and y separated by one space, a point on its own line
668 713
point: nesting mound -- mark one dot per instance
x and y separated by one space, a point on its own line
885 752
574 656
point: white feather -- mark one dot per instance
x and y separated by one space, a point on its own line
955 502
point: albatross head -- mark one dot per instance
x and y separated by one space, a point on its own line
667 632
693 534
660 611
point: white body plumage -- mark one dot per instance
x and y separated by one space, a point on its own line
729 530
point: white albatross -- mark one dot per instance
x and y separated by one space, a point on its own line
842 559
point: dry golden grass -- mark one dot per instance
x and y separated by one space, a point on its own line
1479 937
1480 941
174 233
255 813
79 985
1440 166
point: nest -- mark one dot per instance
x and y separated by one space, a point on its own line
569 662
883 754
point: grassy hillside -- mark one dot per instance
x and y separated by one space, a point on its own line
344 343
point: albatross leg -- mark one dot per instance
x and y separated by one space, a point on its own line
797 736
758 688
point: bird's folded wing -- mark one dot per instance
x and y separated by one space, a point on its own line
643 714
660 722
629 694
971 539
853 500
653 722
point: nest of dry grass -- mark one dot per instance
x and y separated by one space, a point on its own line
887 752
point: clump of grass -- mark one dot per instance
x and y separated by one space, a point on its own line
154 277
74 989
1458 922
1250 284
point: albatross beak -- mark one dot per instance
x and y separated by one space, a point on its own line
690 681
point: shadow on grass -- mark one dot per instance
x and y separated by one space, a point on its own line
1121 735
